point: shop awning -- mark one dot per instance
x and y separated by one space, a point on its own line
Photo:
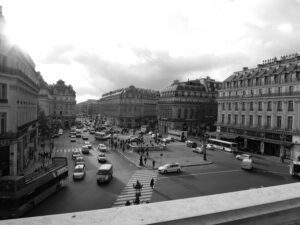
229 136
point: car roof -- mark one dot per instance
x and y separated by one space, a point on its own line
105 167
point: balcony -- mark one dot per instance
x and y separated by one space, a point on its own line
281 94
271 205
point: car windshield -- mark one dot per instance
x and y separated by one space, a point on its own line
102 172
78 170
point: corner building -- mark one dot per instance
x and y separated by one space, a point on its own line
19 90
188 106
259 108
130 107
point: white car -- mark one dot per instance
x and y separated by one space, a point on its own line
73 138
101 157
88 144
153 135
198 150
247 164
209 147
102 148
75 155
170 139
79 172
172 167
243 156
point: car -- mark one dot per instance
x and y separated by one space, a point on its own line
134 139
84 130
170 167
170 139
153 135
78 135
85 149
210 147
85 137
75 155
243 156
198 150
79 161
73 138
101 157
92 131
247 164
79 172
165 140
150 132
191 144
102 148
88 144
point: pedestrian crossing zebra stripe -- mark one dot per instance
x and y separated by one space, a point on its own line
128 192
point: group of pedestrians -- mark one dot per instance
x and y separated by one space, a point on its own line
44 156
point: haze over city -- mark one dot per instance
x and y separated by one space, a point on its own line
99 46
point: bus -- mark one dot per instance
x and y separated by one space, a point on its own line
223 145
178 135
19 194
100 136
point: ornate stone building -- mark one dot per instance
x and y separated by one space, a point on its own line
188 106
19 90
259 107
64 102
129 107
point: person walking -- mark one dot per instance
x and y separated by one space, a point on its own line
152 183
145 160
153 164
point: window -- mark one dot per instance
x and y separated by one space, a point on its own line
251 121
236 106
2 122
229 119
229 106
179 112
243 120
268 121
269 108
251 106
223 106
251 92
279 90
259 106
223 118
259 121
3 60
185 113
279 106
235 119
290 106
290 123
192 114
3 91
291 89
259 91
278 121
243 106
269 90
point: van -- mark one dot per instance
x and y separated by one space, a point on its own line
104 173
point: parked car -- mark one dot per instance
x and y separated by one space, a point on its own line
101 157
198 150
191 144
88 144
102 148
247 164
79 161
243 156
79 172
75 154
85 149
173 167
73 138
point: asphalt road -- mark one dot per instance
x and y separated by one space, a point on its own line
86 194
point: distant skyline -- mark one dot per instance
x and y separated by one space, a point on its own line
99 46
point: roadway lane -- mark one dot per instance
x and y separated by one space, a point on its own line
86 194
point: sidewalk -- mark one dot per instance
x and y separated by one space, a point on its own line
184 156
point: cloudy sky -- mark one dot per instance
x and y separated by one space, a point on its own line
98 46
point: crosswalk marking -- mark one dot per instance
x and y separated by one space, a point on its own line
66 150
128 193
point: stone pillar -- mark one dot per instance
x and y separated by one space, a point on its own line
13 162
262 147
245 142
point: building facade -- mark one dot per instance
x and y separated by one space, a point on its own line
259 108
129 107
64 102
188 106
88 108
19 90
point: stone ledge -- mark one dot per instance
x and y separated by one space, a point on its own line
271 205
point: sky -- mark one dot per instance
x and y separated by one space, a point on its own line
100 46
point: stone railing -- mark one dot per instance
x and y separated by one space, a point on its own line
271 205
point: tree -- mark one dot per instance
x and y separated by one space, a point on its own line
43 124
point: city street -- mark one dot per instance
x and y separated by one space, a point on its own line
223 175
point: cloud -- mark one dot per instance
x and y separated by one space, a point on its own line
58 55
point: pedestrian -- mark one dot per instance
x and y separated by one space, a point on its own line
123 148
116 145
145 160
127 203
147 152
153 164
152 183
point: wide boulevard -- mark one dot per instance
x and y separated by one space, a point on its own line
224 175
